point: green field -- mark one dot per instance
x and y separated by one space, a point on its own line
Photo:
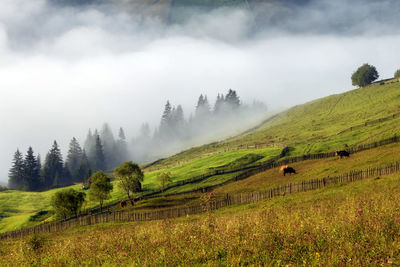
16 207
315 126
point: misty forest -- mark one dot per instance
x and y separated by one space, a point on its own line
101 151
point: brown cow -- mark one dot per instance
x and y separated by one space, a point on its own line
282 168
123 204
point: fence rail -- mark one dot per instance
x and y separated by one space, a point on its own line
125 216
247 171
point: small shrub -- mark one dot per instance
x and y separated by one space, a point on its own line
35 243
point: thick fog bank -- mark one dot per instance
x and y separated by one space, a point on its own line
66 68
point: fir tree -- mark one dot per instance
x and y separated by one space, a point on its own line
218 106
90 141
31 179
99 160
53 167
84 171
74 158
109 146
166 117
122 147
203 107
231 99
16 174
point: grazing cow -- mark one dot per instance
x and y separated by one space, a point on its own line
288 170
283 167
342 154
123 204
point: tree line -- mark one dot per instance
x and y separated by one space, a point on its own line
100 152
175 132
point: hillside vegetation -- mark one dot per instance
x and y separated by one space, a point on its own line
322 125
327 124
354 224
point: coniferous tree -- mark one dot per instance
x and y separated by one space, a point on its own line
74 158
166 118
99 160
109 146
16 174
31 179
218 106
90 141
84 171
90 145
232 100
202 108
122 147
53 167
66 177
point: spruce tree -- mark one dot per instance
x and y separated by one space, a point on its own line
53 167
109 146
31 179
166 116
202 107
16 174
164 131
84 171
74 158
99 160
231 99
122 147
218 106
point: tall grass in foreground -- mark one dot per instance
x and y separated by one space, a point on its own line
356 224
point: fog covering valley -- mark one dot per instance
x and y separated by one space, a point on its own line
66 67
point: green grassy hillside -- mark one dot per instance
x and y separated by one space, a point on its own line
19 209
321 125
326 124
355 224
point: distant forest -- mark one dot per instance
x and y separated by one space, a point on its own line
101 151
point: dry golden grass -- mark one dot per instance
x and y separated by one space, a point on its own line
311 169
356 224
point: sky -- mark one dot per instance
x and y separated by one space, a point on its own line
65 69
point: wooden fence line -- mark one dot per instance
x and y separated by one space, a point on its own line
249 171
370 123
244 198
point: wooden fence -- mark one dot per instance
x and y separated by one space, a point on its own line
125 216
372 122
247 171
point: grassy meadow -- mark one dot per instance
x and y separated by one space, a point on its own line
356 224
316 126
19 209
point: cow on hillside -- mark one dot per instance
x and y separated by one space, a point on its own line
282 168
288 170
342 154
123 204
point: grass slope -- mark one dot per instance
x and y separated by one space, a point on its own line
17 208
354 224
313 127
316 126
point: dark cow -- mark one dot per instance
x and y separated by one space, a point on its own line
342 154
123 204
288 170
